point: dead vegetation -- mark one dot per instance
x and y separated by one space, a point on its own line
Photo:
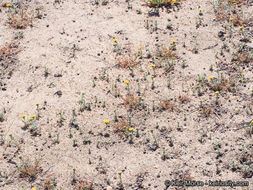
168 105
28 169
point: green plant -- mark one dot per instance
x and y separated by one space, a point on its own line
73 121
61 118
121 186
74 48
27 122
2 115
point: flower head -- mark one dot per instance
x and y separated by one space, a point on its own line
131 129
114 40
23 116
211 77
231 19
241 27
8 5
126 81
217 92
200 10
174 41
106 121
33 116
34 188
242 74
152 65
139 47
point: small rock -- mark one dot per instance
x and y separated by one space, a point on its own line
221 34
59 93
108 188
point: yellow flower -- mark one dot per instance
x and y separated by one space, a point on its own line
8 5
33 116
23 116
120 172
139 97
230 19
114 40
126 81
252 121
33 188
131 129
106 121
200 10
211 77
243 74
174 1
174 41
241 27
217 92
152 65
139 47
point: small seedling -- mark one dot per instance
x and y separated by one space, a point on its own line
121 186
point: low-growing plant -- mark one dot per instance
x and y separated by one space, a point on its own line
28 169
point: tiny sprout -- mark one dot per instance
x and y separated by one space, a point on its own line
120 178
137 132
153 83
115 116
94 83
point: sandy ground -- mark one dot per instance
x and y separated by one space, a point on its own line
69 50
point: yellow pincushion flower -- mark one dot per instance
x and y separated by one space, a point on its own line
243 74
139 47
230 19
8 5
241 27
33 188
114 40
152 65
211 77
200 10
23 116
174 41
131 129
33 116
126 81
174 1
106 121
217 92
